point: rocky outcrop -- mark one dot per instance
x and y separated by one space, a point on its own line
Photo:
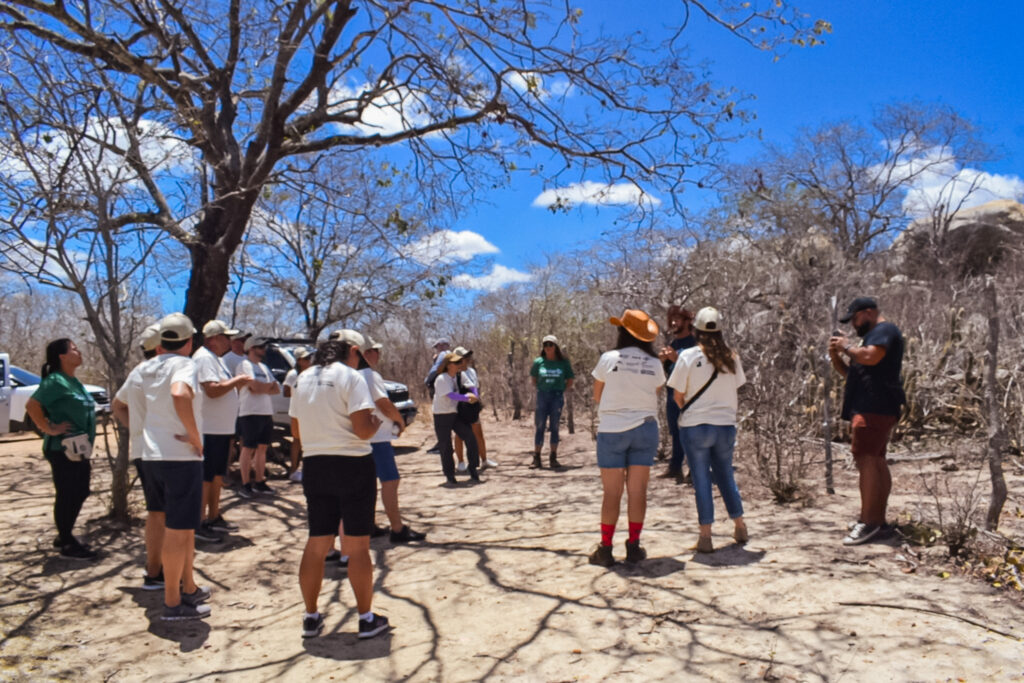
974 240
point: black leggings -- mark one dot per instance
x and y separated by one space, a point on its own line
71 479
444 424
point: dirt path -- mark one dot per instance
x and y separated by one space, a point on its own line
501 590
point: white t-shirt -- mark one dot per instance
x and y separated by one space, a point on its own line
444 384
322 402
375 383
219 413
231 360
717 405
470 379
291 378
248 402
631 380
131 395
161 423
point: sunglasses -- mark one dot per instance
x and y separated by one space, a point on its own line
546 344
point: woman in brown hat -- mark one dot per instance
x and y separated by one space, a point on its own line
447 419
626 385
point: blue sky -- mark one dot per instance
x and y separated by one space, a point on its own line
967 55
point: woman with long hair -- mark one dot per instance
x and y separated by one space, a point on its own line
705 380
447 419
469 382
552 374
66 415
626 385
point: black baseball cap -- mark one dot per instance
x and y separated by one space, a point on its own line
861 303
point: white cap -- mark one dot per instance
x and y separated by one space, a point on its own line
708 320
254 341
549 338
217 327
176 327
300 353
348 336
150 338
372 344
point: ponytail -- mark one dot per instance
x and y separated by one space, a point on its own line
54 350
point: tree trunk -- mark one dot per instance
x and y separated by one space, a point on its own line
570 414
120 480
218 235
996 435
517 402
207 283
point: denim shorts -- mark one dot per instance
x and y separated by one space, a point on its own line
636 446
384 460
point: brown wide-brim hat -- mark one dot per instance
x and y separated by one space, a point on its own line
638 324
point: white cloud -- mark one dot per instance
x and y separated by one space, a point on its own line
499 277
598 194
48 151
936 178
449 246
395 110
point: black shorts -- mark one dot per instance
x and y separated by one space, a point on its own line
255 430
215 455
339 488
154 501
179 485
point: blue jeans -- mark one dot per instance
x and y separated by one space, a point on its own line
636 446
549 406
672 416
709 451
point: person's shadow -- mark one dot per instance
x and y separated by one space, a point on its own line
348 647
729 556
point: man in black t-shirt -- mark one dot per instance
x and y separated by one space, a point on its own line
872 401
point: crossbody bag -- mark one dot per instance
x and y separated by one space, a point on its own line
699 393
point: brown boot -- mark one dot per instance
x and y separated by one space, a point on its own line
553 461
536 461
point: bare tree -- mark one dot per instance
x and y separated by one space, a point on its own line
996 433
472 90
346 242
73 222
851 181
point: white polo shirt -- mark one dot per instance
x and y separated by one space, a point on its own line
717 405
631 380
131 395
161 424
248 402
219 413
323 400
375 383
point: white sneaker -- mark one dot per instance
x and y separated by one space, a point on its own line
490 463
462 467
296 475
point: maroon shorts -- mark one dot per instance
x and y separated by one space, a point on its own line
871 434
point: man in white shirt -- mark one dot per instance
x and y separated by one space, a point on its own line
255 417
392 425
332 411
220 411
129 408
303 359
236 354
172 452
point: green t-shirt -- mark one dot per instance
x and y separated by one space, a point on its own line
64 399
551 374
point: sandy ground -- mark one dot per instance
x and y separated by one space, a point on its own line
502 590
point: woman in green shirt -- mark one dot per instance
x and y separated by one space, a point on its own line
64 410
552 374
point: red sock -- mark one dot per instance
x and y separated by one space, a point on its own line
607 531
634 531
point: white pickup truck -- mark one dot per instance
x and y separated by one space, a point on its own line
17 388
